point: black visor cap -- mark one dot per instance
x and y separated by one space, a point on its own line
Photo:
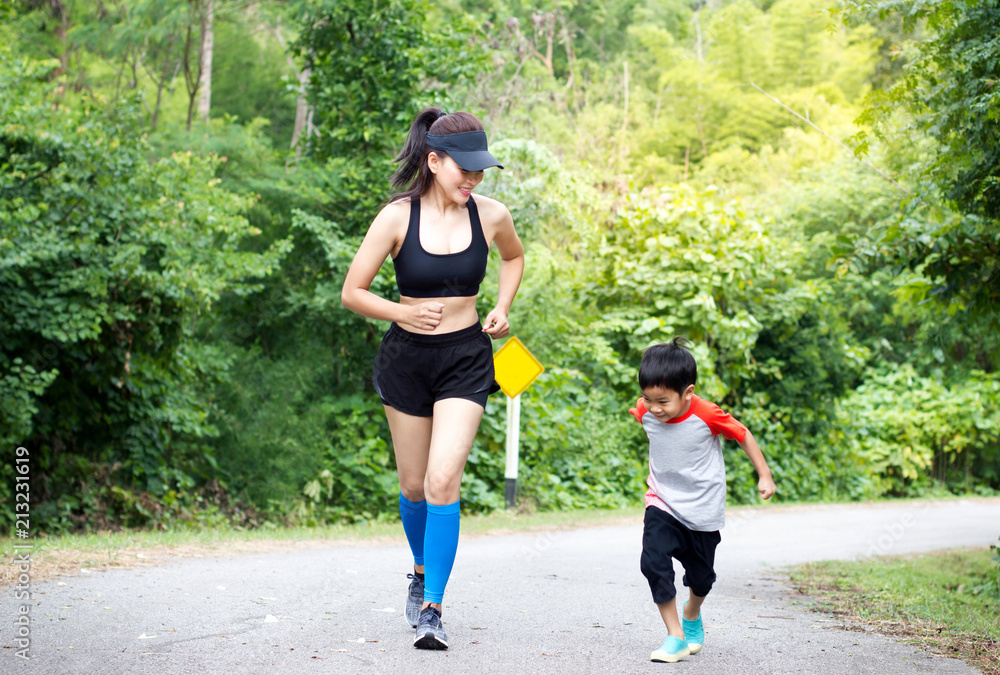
468 149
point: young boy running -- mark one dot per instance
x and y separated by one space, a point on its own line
686 500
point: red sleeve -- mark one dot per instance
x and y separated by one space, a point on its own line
639 410
719 421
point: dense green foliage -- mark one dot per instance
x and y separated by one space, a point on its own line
949 98
373 66
173 345
107 260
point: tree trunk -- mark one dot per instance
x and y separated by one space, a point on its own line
625 90
302 113
191 80
160 84
61 16
697 43
207 46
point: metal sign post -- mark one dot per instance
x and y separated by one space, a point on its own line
516 369
513 434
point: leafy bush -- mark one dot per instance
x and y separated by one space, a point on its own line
106 260
916 432
579 447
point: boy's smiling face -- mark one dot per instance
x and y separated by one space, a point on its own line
666 404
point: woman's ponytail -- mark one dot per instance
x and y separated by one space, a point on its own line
413 156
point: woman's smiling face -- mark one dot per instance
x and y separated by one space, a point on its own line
453 179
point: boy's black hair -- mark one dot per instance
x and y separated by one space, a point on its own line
669 365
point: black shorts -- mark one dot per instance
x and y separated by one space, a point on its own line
412 371
665 538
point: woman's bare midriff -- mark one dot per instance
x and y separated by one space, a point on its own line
458 313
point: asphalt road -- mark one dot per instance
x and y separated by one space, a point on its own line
555 602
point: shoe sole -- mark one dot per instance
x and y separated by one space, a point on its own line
694 649
430 642
661 656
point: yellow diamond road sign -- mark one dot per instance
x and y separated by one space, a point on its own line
515 367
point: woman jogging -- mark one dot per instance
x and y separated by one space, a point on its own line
434 368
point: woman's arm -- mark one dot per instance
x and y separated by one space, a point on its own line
355 295
511 270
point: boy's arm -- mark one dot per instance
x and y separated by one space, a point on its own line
765 484
639 410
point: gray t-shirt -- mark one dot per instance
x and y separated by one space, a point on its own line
687 477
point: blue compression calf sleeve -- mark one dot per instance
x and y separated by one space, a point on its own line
440 545
414 515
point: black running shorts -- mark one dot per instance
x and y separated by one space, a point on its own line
665 539
412 371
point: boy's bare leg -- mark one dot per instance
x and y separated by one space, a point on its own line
693 607
668 612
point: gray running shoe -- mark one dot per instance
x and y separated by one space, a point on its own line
430 632
415 599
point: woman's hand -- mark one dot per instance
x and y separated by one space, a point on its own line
425 316
496 325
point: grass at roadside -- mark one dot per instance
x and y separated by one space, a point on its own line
928 600
83 553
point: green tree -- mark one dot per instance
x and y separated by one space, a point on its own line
106 260
771 345
950 102
249 79
740 42
797 31
374 64
301 397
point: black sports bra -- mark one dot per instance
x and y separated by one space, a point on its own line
420 274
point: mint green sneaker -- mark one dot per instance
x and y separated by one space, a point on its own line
673 650
694 632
